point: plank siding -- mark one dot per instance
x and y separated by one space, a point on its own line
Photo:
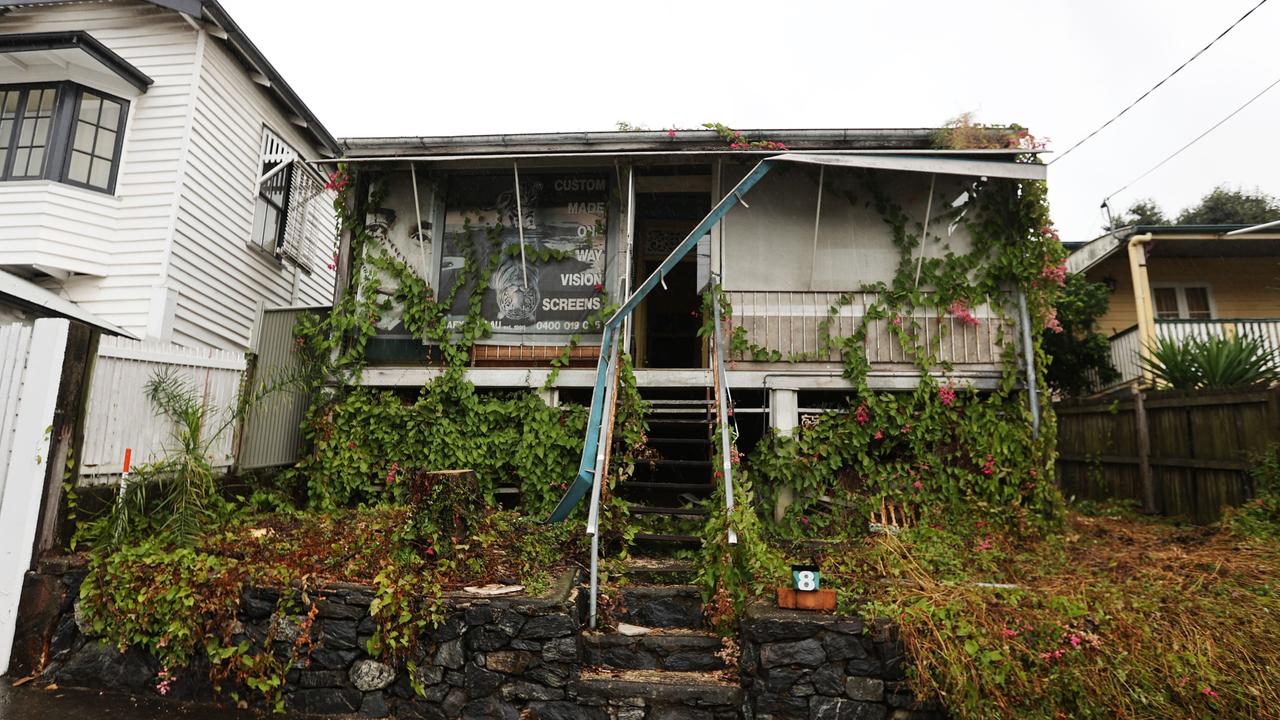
218 274
119 241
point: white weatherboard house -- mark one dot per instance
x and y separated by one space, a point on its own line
153 171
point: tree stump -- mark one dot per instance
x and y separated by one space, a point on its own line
443 505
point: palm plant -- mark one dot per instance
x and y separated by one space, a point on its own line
1214 362
177 496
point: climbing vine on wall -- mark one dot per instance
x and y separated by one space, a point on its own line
943 446
361 438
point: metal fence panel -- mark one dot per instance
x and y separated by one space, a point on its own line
272 435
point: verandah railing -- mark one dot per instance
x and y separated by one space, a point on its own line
1126 345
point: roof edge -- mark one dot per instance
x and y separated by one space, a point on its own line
649 140
215 12
91 46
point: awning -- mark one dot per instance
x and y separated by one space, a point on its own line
939 164
31 295
34 53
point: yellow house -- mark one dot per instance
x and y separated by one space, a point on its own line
1183 280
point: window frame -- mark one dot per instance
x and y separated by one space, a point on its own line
1180 292
277 251
66 109
72 118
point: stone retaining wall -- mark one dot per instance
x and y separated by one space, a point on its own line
513 658
798 664
490 658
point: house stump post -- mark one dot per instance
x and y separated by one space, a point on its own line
784 415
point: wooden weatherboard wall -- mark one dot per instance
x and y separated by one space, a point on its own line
1199 447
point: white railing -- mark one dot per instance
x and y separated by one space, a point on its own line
1126 344
1125 355
119 415
791 322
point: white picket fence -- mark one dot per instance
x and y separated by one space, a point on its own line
119 415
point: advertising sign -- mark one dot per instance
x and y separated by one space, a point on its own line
564 212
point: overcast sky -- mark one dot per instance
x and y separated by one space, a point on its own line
1059 67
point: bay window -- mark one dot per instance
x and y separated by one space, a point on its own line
61 131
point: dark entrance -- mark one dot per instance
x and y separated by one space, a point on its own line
667 323
671 315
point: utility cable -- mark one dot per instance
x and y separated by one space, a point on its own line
1197 139
1144 95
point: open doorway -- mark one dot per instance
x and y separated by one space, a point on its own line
669 204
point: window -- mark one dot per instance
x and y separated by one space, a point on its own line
286 189
272 208
95 141
60 131
1182 302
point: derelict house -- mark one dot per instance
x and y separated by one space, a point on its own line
640 225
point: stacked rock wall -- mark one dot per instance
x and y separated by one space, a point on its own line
798 664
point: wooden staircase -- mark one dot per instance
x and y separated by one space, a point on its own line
681 422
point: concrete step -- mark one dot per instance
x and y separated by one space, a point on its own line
661 694
662 649
662 606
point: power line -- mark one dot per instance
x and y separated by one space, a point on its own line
1157 85
1197 139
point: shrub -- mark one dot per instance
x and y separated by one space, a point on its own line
1215 362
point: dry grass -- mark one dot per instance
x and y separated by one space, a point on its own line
1118 617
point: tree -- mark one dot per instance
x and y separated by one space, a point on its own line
1142 212
1079 353
1226 206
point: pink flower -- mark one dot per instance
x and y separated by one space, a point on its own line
391 474
897 321
917 485
879 435
1057 274
1074 640
1051 321
984 544
804 520
861 415
1009 633
960 310
671 133
1209 693
947 394
989 466
598 287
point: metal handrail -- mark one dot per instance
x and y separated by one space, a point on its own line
722 389
601 470
581 483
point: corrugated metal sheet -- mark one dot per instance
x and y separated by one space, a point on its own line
119 415
271 436
789 322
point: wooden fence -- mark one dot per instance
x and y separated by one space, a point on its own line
1184 454
119 415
